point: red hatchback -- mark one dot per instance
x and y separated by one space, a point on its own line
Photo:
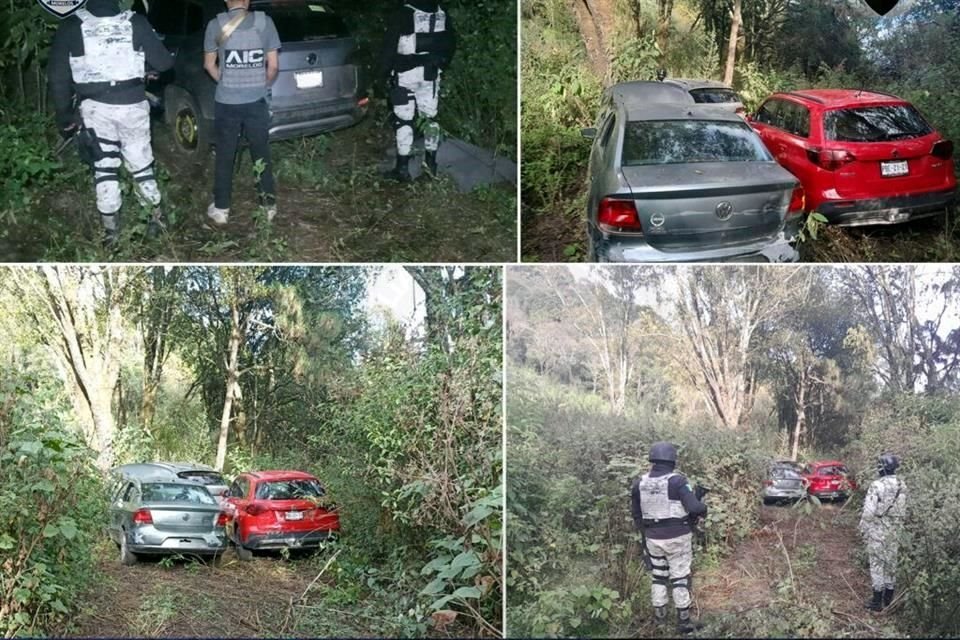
828 479
278 509
862 157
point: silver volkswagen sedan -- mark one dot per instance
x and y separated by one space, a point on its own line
154 511
675 181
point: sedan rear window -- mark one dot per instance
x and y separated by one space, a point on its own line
206 477
714 96
307 22
653 142
289 490
171 492
875 124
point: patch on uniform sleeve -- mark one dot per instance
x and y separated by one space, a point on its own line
317 7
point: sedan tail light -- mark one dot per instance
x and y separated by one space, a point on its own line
797 201
142 516
830 159
620 215
942 149
768 483
223 519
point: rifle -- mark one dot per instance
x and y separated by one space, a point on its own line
700 535
647 562
88 148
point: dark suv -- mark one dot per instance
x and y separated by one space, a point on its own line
317 89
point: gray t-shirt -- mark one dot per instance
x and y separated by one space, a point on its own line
242 58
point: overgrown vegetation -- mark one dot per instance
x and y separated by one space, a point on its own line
569 54
769 363
334 203
400 419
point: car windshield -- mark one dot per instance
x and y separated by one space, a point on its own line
289 490
875 124
714 96
206 477
654 142
171 492
311 21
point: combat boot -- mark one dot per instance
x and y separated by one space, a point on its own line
430 162
108 227
401 172
686 624
887 597
660 615
876 604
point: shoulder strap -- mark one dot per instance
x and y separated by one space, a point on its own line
231 26
259 20
893 502
84 15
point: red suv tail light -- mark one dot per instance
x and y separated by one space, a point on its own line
223 518
142 517
620 214
942 149
830 159
797 201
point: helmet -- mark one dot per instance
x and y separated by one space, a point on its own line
663 452
661 74
887 463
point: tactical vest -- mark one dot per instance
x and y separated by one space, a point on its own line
108 53
891 499
243 58
658 508
424 38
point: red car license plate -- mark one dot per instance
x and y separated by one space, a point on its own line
294 515
894 168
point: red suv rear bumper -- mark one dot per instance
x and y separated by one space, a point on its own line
852 213
282 539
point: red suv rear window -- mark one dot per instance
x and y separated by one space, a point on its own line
874 124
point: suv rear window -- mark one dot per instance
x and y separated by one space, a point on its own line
714 96
307 22
171 492
874 124
206 477
289 490
656 142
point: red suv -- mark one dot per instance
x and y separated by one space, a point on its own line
278 509
862 157
828 479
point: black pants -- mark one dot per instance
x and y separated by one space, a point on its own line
253 119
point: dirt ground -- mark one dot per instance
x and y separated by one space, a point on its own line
815 552
192 599
334 206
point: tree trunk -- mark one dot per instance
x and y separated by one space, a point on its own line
232 386
735 22
801 396
664 11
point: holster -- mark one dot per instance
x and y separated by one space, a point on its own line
88 148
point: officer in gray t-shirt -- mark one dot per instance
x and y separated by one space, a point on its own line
240 54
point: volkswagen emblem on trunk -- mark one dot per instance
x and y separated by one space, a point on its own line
724 210
312 58
657 219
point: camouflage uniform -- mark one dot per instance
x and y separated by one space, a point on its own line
883 512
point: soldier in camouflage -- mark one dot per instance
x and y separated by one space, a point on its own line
664 507
102 55
240 52
418 46
883 512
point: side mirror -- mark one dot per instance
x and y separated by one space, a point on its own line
589 133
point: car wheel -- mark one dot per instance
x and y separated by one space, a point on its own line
190 136
243 553
127 557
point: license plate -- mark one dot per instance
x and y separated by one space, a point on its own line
294 515
894 168
309 79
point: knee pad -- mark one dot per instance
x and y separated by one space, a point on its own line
684 582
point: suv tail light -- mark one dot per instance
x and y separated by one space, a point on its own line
142 516
797 201
942 149
768 483
255 509
619 214
830 159
223 518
